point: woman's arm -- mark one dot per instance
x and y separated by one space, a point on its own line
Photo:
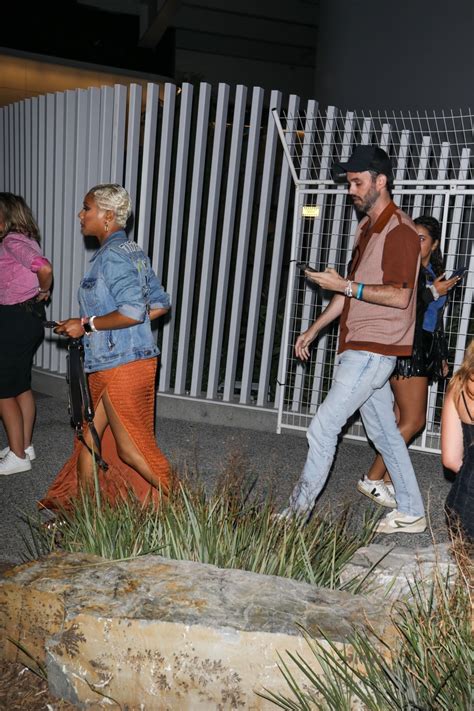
452 447
73 328
156 313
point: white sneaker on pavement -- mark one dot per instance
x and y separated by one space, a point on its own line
11 464
377 491
397 522
29 451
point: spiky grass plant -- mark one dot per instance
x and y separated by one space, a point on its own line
227 529
430 668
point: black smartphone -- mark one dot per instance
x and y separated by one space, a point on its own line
459 272
305 267
50 324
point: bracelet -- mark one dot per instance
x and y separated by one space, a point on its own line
434 291
91 323
348 290
43 291
360 289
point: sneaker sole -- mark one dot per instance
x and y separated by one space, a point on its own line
377 500
409 528
16 470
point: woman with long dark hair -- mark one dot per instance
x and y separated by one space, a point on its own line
428 361
26 277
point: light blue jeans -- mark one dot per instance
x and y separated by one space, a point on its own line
360 383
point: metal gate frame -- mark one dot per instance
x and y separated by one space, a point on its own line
448 200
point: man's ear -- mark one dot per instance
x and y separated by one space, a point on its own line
381 181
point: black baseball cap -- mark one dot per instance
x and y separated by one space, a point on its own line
364 158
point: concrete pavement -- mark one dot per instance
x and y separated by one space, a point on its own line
206 451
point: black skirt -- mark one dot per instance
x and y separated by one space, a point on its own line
426 361
21 332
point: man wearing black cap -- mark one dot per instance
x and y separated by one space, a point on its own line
376 308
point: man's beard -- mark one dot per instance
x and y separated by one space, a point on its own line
366 204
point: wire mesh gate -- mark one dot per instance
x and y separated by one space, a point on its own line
433 161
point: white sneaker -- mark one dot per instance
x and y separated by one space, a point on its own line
11 464
29 451
377 491
397 522
390 487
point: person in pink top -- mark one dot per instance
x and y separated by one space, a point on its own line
26 278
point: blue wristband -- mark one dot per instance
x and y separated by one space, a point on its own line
360 289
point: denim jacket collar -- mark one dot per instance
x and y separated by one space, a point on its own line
119 236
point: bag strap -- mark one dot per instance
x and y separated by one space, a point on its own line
80 403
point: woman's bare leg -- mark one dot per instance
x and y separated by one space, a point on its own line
410 409
27 405
10 413
126 448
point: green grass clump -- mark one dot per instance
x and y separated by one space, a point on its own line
226 529
430 668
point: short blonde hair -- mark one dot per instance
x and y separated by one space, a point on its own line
111 196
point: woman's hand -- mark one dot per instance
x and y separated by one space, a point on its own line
445 368
43 295
329 279
303 343
443 285
72 328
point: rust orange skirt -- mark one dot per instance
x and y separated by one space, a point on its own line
131 389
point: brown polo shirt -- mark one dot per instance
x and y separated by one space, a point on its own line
386 253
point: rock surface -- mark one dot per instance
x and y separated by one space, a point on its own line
153 633
392 572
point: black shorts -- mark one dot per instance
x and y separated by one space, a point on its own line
21 332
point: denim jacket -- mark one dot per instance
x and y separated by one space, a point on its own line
121 279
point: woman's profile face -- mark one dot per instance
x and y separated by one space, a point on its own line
426 242
91 217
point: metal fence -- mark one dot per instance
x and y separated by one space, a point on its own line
215 206
433 163
212 207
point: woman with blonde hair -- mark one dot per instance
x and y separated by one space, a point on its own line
119 296
26 277
457 443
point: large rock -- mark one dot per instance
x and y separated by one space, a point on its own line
153 633
392 572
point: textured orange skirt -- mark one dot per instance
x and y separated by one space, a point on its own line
131 390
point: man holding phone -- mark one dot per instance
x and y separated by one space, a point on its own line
376 307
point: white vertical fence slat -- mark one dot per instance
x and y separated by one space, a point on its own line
192 240
277 259
106 135
260 251
421 173
213 202
133 147
34 154
21 148
164 172
118 134
148 163
28 150
176 231
16 155
57 217
443 167
243 241
11 148
228 223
